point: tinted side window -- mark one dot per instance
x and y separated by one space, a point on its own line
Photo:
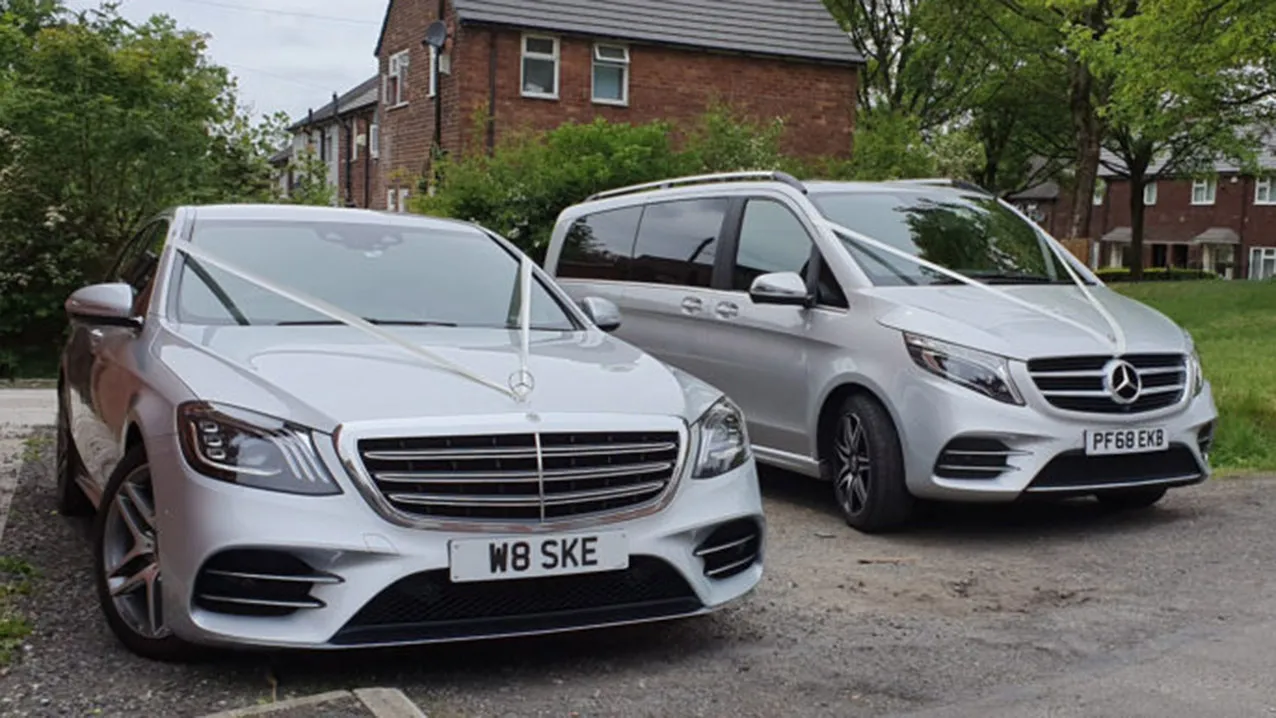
138 269
600 246
677 242
772 239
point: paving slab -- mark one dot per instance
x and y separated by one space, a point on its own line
361 703
21 410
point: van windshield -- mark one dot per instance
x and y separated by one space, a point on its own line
965 232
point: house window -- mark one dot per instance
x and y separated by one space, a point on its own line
391 200
1149 194
1262 263
1263 193
540 66
374 141
1100 189
396 81
403 200
611 74
1204 191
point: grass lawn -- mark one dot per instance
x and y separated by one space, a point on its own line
1234 325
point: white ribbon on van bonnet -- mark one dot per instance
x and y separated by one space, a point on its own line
337 314
1117 337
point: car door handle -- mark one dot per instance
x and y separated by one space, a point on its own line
692 305
727 310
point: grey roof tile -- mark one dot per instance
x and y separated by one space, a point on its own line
365 94
789 28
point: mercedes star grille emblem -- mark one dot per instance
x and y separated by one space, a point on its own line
1122 382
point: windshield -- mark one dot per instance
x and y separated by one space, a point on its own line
967 233
385 273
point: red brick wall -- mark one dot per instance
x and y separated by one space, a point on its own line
361 172
665 83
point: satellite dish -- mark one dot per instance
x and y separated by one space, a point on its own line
436 34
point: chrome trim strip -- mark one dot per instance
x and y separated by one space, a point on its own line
702 552
571 451
327 579
1185 479
508 501
516 477
731 566
313 603
995 470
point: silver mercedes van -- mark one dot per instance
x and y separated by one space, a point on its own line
902 340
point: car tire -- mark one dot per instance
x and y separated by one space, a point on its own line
1132 499
71 500
868 467
126 553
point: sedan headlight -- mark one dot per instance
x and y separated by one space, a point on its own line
251 449
985 373
724 441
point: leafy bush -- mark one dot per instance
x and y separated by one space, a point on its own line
1156 274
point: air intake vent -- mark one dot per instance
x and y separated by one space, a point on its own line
258 583
1081 384
1205 439
975 459
731 549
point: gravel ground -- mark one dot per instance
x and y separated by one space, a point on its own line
975 600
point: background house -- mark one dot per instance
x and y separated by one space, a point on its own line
536 65
1223 221
343 134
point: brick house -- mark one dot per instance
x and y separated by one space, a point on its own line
342 133
1224 221
513 64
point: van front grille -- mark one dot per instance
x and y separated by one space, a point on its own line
1083 383
522 477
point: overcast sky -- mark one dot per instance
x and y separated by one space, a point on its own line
289 55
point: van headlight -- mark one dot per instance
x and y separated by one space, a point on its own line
250 449
985 373
1196 373
723 441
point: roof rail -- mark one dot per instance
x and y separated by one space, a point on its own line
774 176
946 182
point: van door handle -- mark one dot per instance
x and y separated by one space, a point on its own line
728 310
692 305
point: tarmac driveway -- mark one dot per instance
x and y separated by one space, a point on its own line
1016 611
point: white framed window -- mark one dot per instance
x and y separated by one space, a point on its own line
1263 191
611 74
1149 194
540 67
374 141
1204 191
1262 263
391 200
396 80
1100 189
403 200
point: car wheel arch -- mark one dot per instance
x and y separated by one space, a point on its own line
828 415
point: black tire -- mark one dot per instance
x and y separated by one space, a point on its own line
71 500
1132 499
163 646
868 468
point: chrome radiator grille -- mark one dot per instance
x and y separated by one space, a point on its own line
1085 383
522 477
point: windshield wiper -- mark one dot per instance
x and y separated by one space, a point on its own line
1012 278
377 322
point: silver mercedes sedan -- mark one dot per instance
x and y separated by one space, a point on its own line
327 428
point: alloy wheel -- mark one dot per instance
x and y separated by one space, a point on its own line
130 549
854 464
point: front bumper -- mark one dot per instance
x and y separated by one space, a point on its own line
1046 445
364 558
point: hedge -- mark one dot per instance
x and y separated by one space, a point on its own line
1156 274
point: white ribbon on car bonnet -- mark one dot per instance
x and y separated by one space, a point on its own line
335 313
1117 337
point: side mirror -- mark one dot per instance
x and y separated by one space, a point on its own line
103 305
786 288
602 312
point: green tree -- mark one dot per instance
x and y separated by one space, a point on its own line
104 123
